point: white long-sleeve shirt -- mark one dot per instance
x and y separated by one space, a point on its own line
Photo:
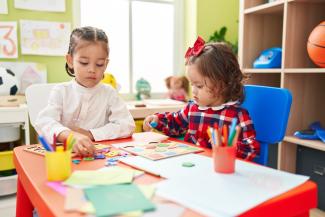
98 109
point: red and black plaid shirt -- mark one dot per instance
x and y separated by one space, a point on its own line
194 122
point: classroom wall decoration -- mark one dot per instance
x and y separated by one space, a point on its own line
44 38
8 40
3 7
41 5
27 73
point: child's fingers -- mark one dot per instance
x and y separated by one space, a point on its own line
90 148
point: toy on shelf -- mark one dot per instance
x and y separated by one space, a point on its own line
178 87
314 132
269 58
143 89
316 45
9 84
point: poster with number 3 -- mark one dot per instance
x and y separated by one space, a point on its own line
8 40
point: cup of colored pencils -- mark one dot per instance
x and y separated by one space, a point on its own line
57 159
224 146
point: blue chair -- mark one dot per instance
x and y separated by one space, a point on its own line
269 108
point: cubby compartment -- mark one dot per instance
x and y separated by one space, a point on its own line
302 18
252 4
308 94
263 30
265 79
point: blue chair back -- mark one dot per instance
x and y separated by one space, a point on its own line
269 108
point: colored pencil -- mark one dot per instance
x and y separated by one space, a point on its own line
232 131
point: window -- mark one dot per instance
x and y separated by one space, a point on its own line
144 37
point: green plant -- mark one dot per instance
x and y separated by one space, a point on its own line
219 36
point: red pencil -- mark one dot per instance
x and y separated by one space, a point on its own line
54 142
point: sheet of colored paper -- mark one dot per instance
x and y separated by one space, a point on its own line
116 199
95 177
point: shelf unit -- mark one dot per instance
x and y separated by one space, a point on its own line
286 24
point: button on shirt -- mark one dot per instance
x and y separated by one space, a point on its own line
98 109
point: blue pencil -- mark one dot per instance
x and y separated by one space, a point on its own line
45 144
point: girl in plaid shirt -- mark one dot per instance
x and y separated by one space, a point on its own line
217 89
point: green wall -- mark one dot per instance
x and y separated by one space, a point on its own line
203 17
55 65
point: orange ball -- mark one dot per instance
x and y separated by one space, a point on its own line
316 45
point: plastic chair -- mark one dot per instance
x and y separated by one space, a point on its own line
269 108
37 97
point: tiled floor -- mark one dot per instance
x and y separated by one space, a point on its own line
8 206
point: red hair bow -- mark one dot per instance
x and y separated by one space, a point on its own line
196 49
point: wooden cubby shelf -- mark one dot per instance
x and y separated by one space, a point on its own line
315 144
286 24
266 8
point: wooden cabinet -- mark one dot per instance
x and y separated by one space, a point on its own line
286 24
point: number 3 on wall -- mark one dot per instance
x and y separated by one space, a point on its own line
8 42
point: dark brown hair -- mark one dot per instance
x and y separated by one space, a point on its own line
87 33
218 63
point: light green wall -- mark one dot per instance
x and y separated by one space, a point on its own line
190 23
55 65
203 17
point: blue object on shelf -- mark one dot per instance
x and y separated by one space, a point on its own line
269 58
314 132
306 134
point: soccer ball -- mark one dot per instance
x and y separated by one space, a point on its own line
8 82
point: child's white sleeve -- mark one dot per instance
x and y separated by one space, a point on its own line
48 120
120 125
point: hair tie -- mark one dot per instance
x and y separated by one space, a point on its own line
196 49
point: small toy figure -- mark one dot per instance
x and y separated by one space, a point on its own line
143 89
110 79
177 87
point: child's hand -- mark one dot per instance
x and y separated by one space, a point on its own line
83 145
147 121
83 131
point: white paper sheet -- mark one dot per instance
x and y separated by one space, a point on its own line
3 7
213 194
41 5
172 167
44 38
8 40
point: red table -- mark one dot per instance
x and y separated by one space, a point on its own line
33 192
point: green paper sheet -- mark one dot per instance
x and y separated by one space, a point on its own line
117 199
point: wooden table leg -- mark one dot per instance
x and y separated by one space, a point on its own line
24 206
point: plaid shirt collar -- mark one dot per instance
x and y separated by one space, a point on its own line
216 108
